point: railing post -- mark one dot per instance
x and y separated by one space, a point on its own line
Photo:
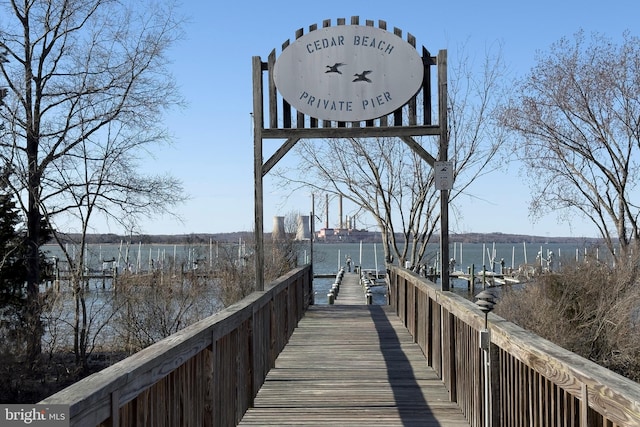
429 332
115 408
216 408
311 300
451 344
253 357
496 404
485 344
584 406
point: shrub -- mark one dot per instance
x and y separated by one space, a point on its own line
153 307
589 308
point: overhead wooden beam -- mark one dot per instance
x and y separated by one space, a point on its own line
350 132
413 144
278 155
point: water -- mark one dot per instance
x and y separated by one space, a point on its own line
328 258
140 257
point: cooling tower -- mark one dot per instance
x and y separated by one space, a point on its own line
303 232
278 232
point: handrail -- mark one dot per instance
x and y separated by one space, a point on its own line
205 374
532 381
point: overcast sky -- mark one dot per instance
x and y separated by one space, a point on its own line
213 150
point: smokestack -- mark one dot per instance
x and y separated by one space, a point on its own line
326 220
278 232
340 212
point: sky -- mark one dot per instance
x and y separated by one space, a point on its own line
212 153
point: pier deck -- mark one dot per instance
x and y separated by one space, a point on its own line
352 364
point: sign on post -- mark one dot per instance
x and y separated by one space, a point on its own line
443 175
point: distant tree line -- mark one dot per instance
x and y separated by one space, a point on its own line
231 237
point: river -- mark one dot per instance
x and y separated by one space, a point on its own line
327 259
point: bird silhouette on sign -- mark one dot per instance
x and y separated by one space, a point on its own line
334 68
362 77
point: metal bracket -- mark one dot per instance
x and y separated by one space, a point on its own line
485 339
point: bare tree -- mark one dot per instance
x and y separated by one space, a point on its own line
84 78
100 178
381 176
235 269
285 250
578 115
389 181
84 328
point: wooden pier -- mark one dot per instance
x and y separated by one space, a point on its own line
352 364
486 278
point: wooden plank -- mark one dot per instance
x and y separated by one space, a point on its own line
350 132
356 365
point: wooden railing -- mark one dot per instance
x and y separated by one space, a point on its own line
532 381
206 374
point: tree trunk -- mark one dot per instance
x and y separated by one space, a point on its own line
34 345
76 319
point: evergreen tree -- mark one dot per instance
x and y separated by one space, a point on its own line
12 267
13 270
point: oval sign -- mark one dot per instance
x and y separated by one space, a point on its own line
348 73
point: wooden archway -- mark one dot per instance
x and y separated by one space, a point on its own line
280 121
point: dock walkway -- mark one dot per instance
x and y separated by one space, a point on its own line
351 291
352 364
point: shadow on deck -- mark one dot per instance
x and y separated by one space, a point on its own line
352 365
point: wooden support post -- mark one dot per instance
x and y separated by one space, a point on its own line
443 154
472 279
258 123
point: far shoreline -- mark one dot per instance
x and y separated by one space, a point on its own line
371 237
